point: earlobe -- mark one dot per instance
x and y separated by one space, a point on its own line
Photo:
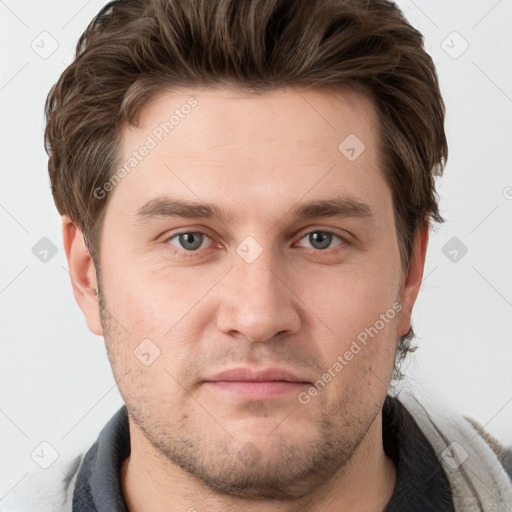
413 279
83 274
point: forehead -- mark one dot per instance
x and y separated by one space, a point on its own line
270 148
228 116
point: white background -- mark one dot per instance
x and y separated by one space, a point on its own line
56 383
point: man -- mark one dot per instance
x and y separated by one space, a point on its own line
247 189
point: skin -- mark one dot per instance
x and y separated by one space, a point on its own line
296 306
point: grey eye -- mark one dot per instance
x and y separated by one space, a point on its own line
321 239
189 241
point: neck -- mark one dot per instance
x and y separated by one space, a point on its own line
151 482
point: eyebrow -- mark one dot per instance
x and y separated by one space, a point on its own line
166 206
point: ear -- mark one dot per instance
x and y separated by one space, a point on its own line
412 281
83 274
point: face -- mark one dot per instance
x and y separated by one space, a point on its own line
294 266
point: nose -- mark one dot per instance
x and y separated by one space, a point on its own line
257 301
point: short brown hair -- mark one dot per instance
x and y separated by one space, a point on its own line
134 49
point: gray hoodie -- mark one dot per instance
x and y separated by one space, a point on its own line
445 463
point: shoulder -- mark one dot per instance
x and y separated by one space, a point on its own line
45 490
477 465
503 453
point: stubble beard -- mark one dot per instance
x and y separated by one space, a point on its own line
273 469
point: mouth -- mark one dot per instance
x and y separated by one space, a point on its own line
256 384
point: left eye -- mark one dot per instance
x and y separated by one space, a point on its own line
320 239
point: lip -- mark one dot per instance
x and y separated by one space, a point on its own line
256 375
256 384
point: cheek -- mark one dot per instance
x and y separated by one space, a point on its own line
151 299
159 320
356 314
151 361
349 300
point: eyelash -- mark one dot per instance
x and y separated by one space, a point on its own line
187 254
